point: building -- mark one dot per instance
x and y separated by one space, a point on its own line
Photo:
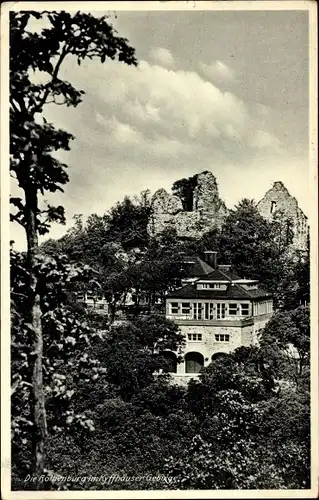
279 201
92 300
216 313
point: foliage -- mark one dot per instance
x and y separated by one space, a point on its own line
32 141
147 271
135 351
288 334
246 435
127 222
247 465
302 276
67 362
184 189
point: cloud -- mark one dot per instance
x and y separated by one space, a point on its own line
158 102
264 140
162 56
151 113
218 71
174 102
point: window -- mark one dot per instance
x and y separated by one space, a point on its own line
222 337
170 362
100 306
244 309
232 309
211 285
174 307
197 310
221 310
186 308
211 311
194 362
272 206
195 337
208 310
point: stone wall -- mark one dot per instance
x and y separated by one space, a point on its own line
209 211
278 199
208 346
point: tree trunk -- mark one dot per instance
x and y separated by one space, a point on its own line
34 312
112 311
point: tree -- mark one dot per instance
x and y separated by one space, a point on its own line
260 249
249 434
289 332
302 276
246 240
246 465
66 333
158 270
127 222
184 189
33 141
135 351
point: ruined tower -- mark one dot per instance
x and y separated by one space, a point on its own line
278 199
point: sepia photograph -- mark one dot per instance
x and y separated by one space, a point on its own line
159 250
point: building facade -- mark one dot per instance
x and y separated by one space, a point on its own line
216 314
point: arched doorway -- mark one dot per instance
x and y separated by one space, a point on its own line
218 355
194 362
170 362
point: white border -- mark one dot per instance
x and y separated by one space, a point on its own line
311 7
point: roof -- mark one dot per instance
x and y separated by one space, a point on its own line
197 267
234 291
221 275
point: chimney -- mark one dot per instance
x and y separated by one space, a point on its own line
224 267
211 258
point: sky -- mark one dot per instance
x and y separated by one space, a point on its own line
222 91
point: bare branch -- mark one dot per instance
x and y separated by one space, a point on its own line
64 53
19 294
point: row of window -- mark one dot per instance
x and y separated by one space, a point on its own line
207 310
211 285
198 337
264 307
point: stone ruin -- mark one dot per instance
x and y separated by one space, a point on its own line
278 199
210 212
